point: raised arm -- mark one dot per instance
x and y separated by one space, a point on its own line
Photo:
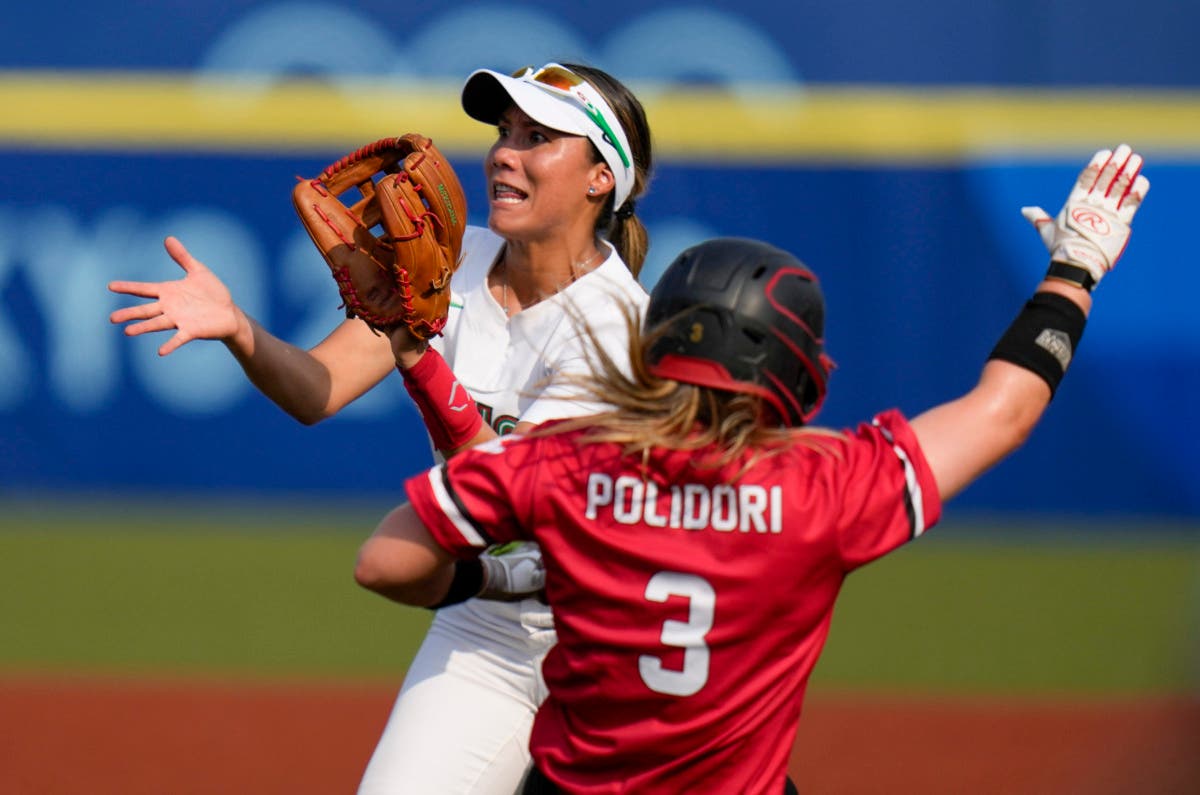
309 385
965 437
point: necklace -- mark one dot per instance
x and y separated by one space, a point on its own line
577 269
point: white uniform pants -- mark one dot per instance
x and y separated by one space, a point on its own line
461 723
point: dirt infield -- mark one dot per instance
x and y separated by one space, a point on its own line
110 737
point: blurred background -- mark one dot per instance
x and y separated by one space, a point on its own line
159 517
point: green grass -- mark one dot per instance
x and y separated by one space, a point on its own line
1033 610
260 590
251 592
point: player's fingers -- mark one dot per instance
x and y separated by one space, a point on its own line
180 254
1036 216
1141 186
1042 222
1124 182
139 312
1090 176
140 289
1109 181
160 323
173 344
1133 199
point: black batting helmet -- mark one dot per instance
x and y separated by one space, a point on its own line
743 316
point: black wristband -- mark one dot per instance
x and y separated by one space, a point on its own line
1044 337
1072 274
467 583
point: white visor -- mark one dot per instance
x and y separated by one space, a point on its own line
578 109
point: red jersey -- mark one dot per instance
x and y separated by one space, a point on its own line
690 604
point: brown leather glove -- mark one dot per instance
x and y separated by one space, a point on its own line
389 218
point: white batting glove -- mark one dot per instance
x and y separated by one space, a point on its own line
1092 229
512 571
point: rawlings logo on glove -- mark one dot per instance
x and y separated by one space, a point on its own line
1092 229
406 188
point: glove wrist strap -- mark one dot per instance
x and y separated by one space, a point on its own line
448 409
1071 274
467 583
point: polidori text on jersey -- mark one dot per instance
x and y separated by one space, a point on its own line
743 508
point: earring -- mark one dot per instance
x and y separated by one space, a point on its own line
591 190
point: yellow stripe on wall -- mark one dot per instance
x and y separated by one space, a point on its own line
843 123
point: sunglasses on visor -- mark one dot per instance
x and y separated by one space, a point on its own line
566 83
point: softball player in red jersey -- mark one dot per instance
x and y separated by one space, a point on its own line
696 536
683 593
572 154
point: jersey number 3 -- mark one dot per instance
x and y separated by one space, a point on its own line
688 635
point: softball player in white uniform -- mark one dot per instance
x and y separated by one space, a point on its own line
477 676
572 153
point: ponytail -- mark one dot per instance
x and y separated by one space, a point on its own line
630 238
622 228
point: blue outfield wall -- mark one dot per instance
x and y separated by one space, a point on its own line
922 267
924 260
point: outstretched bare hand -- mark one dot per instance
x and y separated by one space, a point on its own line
198 306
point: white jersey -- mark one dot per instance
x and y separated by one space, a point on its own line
461 723
501 360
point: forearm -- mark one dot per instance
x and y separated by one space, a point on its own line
312 385
1077 295
290 377
964 438
447 408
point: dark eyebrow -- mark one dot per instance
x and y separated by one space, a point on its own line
505 116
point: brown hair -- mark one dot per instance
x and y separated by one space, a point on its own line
623 229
